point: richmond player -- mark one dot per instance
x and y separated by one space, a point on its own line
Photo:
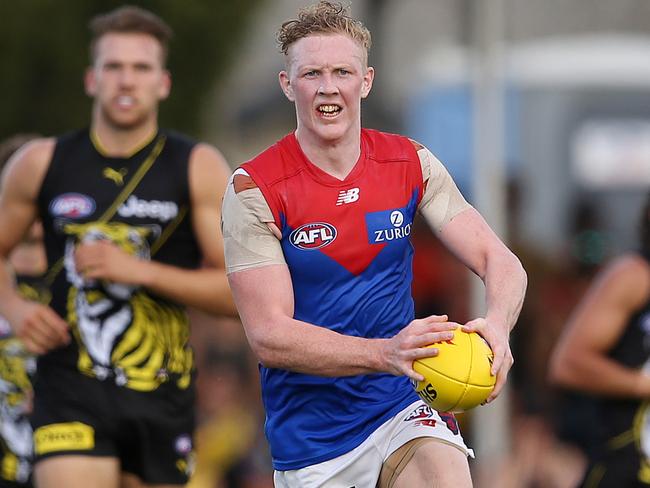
130 214
27 263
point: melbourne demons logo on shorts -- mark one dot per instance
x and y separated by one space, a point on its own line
313 236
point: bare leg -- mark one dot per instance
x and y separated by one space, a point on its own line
77 472
435 464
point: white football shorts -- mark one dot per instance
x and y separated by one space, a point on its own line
360 467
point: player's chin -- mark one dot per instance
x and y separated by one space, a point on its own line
331 129
126 121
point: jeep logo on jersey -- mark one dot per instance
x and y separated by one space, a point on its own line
153 209
313 236
387 225
72 206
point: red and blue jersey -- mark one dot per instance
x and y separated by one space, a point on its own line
347 246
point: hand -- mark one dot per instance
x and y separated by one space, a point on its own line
497 338
39 327
103 260
410 344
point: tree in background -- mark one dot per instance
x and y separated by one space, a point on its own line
44 52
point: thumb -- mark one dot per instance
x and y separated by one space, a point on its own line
473 325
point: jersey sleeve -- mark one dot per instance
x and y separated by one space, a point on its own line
442 200
248 240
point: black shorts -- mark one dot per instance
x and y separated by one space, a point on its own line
151 433
617 468
14 484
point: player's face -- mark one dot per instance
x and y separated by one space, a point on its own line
326 78
127 79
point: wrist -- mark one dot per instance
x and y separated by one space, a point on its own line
378 357
499 323
145 273
12 303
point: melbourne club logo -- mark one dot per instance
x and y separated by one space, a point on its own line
313 236
347 196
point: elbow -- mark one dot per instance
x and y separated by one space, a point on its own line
503 261
554 374
269 359
561 371
264 356
264 350
517 276
524 276
517 269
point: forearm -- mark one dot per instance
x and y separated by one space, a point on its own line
8 294
600 375
205 288
505 287
305 348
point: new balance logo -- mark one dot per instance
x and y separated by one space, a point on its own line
348 196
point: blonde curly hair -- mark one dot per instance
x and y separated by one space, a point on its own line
323 18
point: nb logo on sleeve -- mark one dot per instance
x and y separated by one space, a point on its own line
348 196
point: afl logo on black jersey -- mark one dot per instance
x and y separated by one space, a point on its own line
313 236
72 206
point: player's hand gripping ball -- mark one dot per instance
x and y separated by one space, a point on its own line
458 378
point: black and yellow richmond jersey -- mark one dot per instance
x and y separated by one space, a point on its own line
17 368
140 203
622 458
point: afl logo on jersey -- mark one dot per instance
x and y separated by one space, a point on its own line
72 206
313 236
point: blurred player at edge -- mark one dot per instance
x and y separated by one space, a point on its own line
129 212
27 263
605 351
316 232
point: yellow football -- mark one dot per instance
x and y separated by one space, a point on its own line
458 378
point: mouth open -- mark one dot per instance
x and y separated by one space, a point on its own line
329 110
125 101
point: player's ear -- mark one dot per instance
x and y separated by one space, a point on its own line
90 83
285 84
368 78
165 85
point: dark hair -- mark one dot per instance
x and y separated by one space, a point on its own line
324 17
130 19
644 227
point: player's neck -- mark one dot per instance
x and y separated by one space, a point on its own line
115 142
336 158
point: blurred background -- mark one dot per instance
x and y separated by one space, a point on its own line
539 109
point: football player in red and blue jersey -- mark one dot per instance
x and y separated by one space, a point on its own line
316 234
